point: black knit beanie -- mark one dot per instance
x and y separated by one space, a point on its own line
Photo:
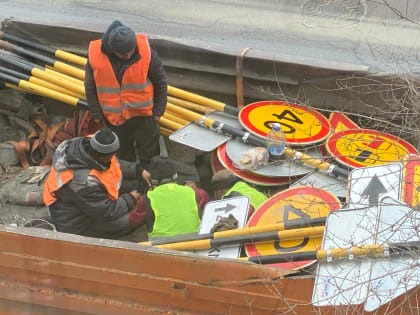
104 142
122 39
162 170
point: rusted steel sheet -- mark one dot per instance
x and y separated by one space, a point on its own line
96 276
54 271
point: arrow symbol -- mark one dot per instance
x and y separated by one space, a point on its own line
214 252
373 190
226 208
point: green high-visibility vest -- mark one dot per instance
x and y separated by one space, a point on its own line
175 209
256 198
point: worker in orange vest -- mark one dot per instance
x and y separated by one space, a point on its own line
85 185
126 89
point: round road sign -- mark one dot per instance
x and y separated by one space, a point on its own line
364 147
290 204
301 125
250 177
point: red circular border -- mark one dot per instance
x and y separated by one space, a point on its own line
332 141
245 122
328 197
252 178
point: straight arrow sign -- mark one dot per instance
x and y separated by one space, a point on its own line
368 184
227 208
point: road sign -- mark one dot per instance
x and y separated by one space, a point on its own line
318 179
300 124
368 184
192 135
372 281
411 181
213 211
364 147
293 203
287 168
340 122
250 177
215 163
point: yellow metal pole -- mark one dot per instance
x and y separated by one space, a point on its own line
57 88
58 81
71 57
186 104
54 72
196 98
34 88
189 115
169 123
70 70
169 115
210 243
165 131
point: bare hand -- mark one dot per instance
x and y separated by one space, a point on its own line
136 195
146 176
157 117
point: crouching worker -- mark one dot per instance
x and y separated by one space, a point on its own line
82 189
171 207
226 185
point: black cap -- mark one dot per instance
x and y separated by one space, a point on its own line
104 142
122 39
162 170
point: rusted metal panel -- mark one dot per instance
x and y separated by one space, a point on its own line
66 267
52 270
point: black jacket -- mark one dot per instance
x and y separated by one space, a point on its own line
81 205
156 74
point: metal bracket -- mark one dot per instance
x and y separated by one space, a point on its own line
329 255
219 128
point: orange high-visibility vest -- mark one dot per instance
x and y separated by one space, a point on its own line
110 178
134 97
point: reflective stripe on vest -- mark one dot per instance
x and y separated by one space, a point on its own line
110 178
175 209
256 198
135 95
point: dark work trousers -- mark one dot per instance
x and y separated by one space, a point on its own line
144 131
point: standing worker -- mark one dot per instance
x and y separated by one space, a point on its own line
126 89
84 190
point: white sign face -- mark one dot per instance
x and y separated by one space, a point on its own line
345 281
372 281
213 212
368 184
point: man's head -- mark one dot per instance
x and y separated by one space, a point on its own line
122 41
103 145
221 182
162 171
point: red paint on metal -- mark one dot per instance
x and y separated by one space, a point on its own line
331 144
332 201
250 177
337 118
